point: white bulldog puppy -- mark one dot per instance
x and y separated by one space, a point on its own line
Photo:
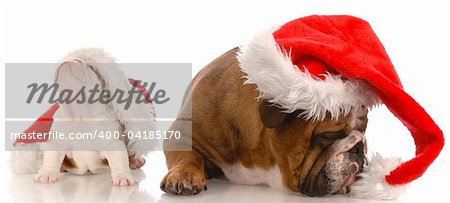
95 126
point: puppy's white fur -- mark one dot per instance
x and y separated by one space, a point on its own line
88 67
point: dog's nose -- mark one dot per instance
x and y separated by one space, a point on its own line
358 157
354 168
358 149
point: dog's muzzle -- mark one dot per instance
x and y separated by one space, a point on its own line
341 170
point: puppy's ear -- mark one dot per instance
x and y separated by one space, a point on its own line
70 72
271 115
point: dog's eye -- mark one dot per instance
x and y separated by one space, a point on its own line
325 139
333 135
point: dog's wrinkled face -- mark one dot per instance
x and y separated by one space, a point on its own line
320 157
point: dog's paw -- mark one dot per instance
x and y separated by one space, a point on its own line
46 177
184 181
137 162
123 180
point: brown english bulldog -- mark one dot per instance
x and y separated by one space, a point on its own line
247 140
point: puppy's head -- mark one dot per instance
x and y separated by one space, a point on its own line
87 79
81 69
317 157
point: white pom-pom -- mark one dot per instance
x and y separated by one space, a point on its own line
26 161
373 185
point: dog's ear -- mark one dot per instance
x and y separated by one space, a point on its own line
70 72
271 115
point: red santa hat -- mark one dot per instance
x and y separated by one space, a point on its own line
329 65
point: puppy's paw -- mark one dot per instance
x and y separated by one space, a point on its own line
136 162
46 177
123 180
184 181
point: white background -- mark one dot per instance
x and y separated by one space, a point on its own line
415 34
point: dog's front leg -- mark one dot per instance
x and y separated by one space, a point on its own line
120 170
186 174
136 159
51 166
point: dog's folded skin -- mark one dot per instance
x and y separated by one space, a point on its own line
250 141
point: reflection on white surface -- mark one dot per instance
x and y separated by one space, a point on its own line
72 188
98 188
